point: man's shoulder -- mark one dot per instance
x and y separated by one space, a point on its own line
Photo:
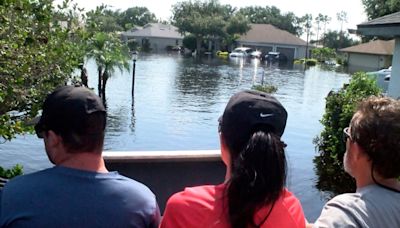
27 179
346 198
128 184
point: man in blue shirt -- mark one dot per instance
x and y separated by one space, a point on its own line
78 191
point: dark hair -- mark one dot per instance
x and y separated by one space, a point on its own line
376 128
89 136
258 176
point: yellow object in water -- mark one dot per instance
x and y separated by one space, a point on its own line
222 53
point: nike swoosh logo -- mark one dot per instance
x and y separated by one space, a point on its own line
262 115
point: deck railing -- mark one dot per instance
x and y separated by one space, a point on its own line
167 172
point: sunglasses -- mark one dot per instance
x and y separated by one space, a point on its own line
346 134
40 129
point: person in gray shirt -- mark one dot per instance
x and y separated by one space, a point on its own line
373 158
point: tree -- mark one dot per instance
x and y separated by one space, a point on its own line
307 23
336 40
36 55
109 53
189 42
272 15
136 16
208 19
325 20
319 20
103 19
342 18
378 8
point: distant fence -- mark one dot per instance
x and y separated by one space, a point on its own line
167 172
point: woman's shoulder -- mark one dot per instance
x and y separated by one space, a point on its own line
196 195
193 207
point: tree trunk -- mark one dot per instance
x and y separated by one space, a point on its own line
103 89
198 45
100 80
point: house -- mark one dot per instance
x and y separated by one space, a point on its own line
387 26
370 56
266 38
156 37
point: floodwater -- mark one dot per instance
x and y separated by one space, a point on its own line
177 104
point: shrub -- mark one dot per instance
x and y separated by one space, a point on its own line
311 62
189 42
308 62
339 110
265 88
323 54
10 173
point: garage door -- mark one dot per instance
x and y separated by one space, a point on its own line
288 52
370 61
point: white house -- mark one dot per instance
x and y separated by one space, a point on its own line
266 37
158 36
370 56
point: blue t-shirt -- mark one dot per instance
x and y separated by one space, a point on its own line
65 197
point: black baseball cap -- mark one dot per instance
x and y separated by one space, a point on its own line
65 110
248 111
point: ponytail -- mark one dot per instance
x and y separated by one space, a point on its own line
258 176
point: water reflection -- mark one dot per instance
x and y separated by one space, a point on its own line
332 179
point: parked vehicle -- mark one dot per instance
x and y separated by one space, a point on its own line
256 54
241 52
274 56
382 78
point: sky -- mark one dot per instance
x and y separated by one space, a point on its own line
162 8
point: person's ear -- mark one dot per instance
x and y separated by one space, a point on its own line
358 151
51 139
225 156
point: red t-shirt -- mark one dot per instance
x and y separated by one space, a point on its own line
205 206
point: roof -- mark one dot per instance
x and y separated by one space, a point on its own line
155 30
388 26
393 18
266 33
376 47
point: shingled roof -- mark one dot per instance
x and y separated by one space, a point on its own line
387 26
156 30
266 33
393 18
376 47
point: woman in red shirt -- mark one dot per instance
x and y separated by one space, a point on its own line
254 193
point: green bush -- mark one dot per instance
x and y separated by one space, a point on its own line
323 54
308 62
265 88
339 110
10 173
146 46
189 42
339 60
311 62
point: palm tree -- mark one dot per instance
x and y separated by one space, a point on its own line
117 57
109 53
